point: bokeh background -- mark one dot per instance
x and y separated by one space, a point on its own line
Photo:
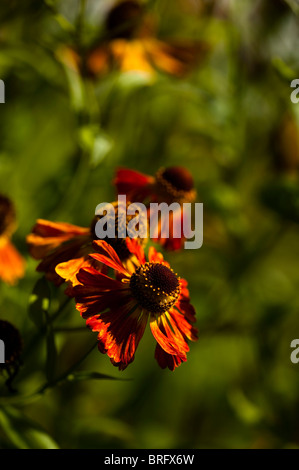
231 122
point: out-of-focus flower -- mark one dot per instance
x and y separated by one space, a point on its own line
130 44
172 184
13 346
64 248
12 264
58 242
119 309
284 145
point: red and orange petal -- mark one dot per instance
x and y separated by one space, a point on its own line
96 292
46 236
68 270
167 229
12 264
135 185
168 360
171 333
68 252
119 332
58 242
170 351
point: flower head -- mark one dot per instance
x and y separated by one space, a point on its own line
119 309
11 262
129 43
171 184
59 242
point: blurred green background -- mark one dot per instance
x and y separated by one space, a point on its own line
232 124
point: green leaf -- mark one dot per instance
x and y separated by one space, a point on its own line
22 432
39 302
96 143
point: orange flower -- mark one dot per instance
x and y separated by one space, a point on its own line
129 44
172 184
12 264
64 248
59 242
119 309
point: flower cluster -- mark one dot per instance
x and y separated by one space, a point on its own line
142 289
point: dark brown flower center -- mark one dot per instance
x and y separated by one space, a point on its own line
7 214
155 286
124 19
179 178
175 184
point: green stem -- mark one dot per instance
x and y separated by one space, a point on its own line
60 310
37 337
64 376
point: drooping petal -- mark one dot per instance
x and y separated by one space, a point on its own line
108 256
155 257
68 270
92 278
72 249
136 249
165 357
47 235
12 264
135 185
168 360
119 332
175 239
166 342
97 292
183 303
183 324
168 229
94 304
